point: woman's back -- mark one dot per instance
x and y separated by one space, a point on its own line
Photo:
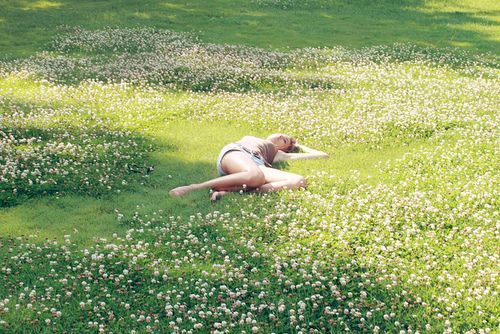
264 148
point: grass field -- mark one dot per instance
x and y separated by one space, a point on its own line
28 26
396 232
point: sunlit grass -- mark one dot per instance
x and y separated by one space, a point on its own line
41 4
396 231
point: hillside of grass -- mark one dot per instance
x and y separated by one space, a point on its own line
106 106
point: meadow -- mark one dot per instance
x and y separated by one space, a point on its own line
105 106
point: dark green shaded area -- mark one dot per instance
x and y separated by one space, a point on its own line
27 26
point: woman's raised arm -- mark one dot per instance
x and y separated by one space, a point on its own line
309 153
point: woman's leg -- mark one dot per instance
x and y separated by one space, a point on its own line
242 172
275 180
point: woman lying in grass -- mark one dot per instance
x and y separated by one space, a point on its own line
247 165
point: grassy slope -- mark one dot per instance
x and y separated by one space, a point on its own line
26 26
197 144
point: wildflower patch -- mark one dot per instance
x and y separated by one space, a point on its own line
411 248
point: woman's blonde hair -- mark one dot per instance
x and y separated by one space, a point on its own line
291 147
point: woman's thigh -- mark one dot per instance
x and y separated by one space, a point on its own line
237 162
276 175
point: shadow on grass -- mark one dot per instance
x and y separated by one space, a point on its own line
79 180
88 215
26 26
63 159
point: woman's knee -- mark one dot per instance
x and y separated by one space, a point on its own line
255 178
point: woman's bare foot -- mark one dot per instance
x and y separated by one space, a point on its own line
181 191
216 195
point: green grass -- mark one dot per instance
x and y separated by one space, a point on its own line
28 26
197 145
396 230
